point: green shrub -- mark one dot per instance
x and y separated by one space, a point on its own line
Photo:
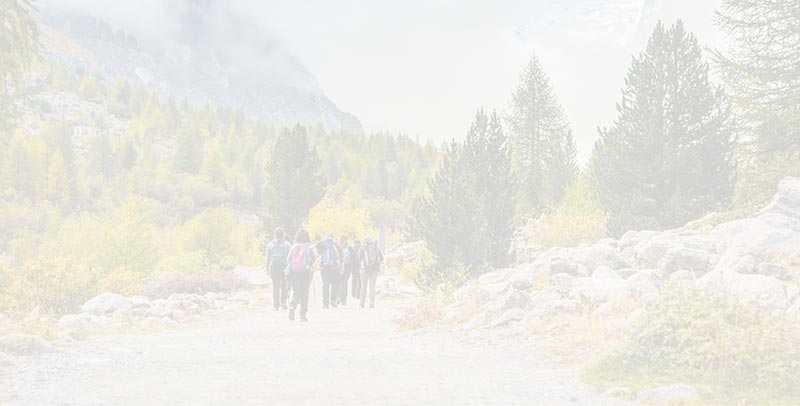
728 350
579 218
439 278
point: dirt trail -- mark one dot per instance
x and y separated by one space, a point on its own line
341 357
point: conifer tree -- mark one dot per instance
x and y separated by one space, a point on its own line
294 183
19 39
667 158
543 148
467 218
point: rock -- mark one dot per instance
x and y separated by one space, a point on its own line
642 284
122 316
476 321
562 281
682 275
563 265
794 310
739 264
106 303
24 344
787 200
598 291
507 317
490 291
625 273
669 395
244 297
138 302
75 322
631 238
544 296
763 290
604 272
495 277
599 255
522 280
619 392
776 271
515 299
792 293
649 252
681 258
649 299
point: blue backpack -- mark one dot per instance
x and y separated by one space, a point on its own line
330 255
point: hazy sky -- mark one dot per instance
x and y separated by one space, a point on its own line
423 67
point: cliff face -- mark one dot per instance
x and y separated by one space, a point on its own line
202 59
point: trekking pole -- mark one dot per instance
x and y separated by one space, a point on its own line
314 289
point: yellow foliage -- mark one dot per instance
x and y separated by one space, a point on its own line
329 216
579 218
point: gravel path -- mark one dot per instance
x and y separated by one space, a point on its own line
341 357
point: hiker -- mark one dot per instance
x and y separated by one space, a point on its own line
330 266
357 269
298 268
371 259
275 258
349 266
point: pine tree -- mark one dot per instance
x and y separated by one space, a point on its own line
543 148
294 182
667 158
101 156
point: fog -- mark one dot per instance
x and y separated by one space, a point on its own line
423 67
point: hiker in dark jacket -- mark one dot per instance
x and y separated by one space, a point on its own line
356 273
299 267
349 266
371 259
275 259
330 268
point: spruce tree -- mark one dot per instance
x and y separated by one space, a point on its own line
667 158
19 42
294 183
542 145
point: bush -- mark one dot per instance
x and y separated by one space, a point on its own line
219 281
442 279
729 350
422 313
220 235
579 218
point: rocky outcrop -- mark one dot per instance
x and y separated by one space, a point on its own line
752 260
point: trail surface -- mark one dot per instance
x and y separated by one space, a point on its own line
345 356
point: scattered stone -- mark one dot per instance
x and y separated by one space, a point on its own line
253 276
619 392
776 271
685 259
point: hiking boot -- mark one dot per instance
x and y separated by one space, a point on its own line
303 318
291 314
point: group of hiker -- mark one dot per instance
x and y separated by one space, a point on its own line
341 264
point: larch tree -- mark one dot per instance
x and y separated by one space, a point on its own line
542 145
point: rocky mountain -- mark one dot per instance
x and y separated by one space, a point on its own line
201 58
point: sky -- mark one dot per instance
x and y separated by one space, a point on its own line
423 67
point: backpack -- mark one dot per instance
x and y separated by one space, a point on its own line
350 258
330 255
299 260
278 254
371 258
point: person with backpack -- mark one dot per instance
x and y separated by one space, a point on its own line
371 260
349 267
275 258
356 288
299 264
330 266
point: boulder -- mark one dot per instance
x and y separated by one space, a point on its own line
787 200
563 265
496 276
604 272
618 392
776 271
625 273
138 302
642 284
562 281
681 258
598 291
522 280
598 255
649 252
740 264
24 344
631 238
476 321
507 317
488 292
75 322
794 310
669 395
7 362
544 296
106 303
763 290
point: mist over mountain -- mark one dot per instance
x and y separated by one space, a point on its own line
204 53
